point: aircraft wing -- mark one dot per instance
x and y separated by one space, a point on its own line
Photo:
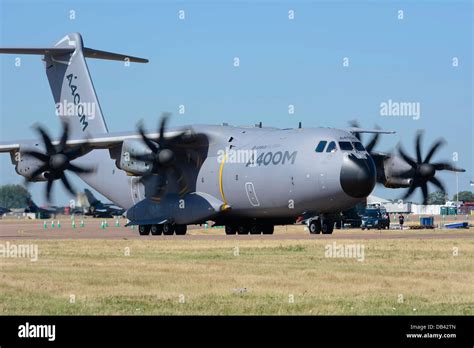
368 130
105 141
382 155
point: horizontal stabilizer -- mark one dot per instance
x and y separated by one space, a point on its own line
54 51
88 52
91 53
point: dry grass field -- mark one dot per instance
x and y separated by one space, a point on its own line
204 277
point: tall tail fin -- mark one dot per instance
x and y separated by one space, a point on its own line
73 91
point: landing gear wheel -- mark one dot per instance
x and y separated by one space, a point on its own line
315 227
255 229
268 229
230 229
243 229
168 229
180 230
156 230
144 230
327 227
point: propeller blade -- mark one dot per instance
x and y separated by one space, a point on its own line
407 158
48 188
373 142
433 149
424 189
447 166
145 158
80 170
355 124
151 145
162 127
437 183
76 152
37 154
50 149
409 191
67 184
64 137
419 135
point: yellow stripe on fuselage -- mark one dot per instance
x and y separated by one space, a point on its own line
221 189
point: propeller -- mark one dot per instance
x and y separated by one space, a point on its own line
57 160
375 138
422 171
164 154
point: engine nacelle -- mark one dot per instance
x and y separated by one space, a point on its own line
394 182
27 165
393 172
130 148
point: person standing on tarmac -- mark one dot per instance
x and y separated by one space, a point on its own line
401 220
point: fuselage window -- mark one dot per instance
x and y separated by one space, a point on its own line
345 146
358 146
331 147
321 146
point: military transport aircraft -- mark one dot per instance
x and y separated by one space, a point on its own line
246 178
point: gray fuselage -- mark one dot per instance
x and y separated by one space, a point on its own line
259 172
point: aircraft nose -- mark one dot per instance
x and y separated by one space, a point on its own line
358 176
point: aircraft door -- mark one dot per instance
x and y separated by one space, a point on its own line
249 188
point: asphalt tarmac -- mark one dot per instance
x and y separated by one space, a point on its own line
27 229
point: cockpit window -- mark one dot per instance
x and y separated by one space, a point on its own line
331 147
345 146
321 146
358 146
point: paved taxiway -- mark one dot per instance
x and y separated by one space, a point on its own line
10 230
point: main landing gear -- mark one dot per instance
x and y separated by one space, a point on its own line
167 229
316 226
251 228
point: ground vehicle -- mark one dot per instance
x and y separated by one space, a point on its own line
352 216
375 218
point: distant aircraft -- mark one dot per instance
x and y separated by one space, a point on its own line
99 209
42 213
4 211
